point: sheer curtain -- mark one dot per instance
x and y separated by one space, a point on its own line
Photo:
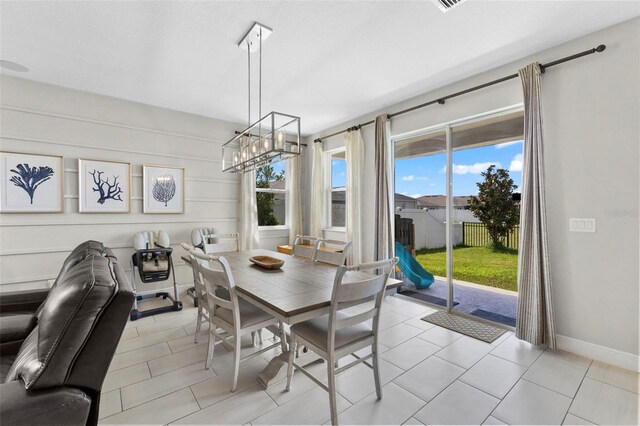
294 210
316 204
248 212
383 247
535 308
354 150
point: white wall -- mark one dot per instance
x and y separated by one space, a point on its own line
45 119
592 138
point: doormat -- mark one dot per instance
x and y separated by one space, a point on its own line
477 330
426 297
492 316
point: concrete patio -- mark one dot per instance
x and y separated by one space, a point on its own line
471 297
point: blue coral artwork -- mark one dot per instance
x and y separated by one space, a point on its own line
30 183
104 186
106 190
163 189
30 178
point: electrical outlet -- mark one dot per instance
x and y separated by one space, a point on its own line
582 224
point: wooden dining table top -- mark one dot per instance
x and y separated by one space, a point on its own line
300 288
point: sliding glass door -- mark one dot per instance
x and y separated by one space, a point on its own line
462 180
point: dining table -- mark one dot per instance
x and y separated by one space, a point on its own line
297 291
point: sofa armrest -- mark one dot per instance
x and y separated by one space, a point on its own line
22 301
61 405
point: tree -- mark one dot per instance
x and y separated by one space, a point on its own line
265 200
494 204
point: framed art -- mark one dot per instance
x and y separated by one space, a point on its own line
31 183
163 189
104 186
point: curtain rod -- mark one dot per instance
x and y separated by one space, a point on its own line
441 100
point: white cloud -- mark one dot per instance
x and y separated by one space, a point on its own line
415 195
506 144
516 164
475 168
408 178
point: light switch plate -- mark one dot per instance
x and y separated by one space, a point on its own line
582 224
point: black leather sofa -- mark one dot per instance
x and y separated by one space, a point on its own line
56 345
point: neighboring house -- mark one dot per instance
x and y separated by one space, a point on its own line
436 202
405 202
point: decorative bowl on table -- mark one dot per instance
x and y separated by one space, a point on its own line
267 262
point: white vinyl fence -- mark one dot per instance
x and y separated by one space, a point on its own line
430 226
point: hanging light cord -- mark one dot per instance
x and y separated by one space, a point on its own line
260 81
249 81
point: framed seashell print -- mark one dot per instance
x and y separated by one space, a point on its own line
163 189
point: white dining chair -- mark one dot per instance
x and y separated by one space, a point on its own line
224 243
305 246
229 316
338 334
199 292
333 252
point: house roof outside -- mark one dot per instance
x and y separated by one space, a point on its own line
402 197
440 201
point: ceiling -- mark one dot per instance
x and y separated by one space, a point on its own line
325 61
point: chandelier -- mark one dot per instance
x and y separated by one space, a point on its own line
274 137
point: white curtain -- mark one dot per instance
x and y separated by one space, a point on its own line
248 212
294 211
535 307
383 169
354 150
316 191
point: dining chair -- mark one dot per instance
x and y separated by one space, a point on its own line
305 246
199 292
202 236
338 334
224 243
333 252
230 316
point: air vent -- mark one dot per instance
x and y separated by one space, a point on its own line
446 5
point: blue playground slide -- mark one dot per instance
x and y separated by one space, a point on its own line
412 269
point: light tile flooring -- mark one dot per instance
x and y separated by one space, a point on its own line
430 375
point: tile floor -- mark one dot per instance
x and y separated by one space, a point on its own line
430 375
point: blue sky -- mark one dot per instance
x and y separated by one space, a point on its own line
426 175
338 173
279 166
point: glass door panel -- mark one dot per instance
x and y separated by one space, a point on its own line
420 207
486 179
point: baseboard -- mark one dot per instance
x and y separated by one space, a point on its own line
611 356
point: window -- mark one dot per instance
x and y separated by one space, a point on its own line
271 194
338 175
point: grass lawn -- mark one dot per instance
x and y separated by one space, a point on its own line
480 265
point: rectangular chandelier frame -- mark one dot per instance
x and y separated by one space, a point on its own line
275 137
